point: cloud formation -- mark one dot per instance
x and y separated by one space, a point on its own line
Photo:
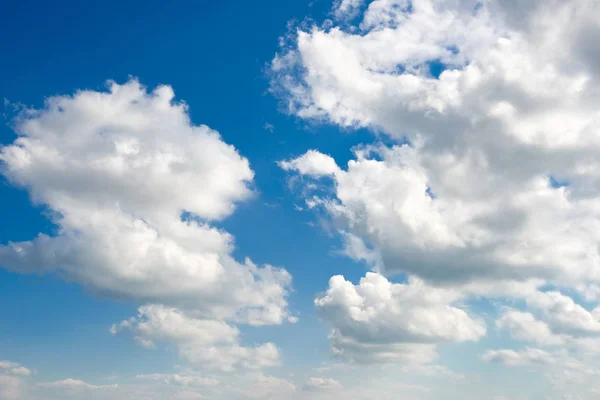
488 182
377 320
133 186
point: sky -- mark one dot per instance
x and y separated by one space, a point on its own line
385 199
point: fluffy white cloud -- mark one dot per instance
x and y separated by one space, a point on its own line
312 163
210 344
118 170
132 187
377 320
554 319
525 357
396 219
475 195
563 314
524 326
157 323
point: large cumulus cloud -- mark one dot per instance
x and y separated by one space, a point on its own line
133 186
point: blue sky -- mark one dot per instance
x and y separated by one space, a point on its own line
349 113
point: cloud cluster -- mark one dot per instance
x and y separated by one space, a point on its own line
133 188
491 183
208 344
377 320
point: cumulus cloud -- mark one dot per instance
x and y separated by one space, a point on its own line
378 320
525 357
210 344
133 186
498 179
524 326
312 163
563 314
554 319
488 184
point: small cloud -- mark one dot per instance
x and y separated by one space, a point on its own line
269 127
70 383
321 384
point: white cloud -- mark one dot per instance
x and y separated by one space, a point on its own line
158 323
233 357
133 187
568 376
564 314
209 344
378 320
313 164
554 319
346 8
70 383
526 357
322 384
389 206
267 387
269 127
471 197
183 380
524 326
